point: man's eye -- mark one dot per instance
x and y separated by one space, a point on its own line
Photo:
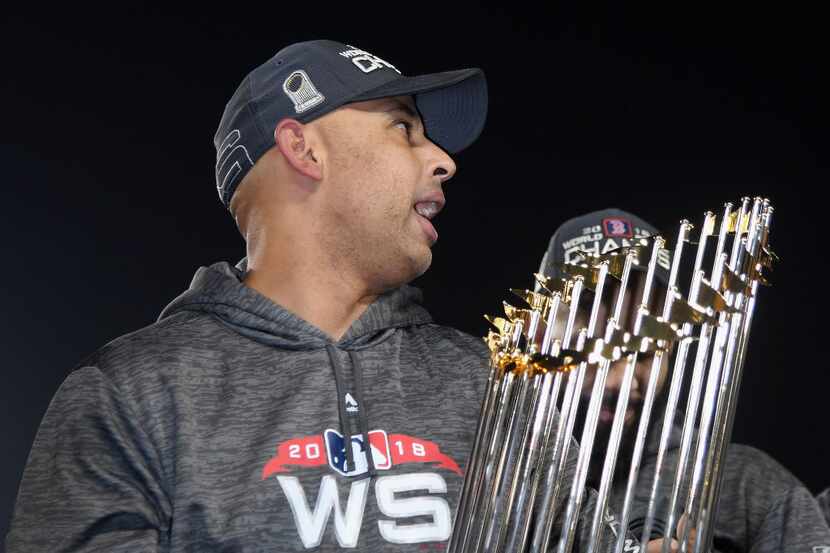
406 125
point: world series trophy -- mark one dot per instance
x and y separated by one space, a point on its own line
525 486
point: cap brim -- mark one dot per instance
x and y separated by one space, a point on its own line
453 104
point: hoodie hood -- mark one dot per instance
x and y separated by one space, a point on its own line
219 290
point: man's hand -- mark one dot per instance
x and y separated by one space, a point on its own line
656 546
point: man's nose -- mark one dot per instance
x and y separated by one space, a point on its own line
635 384
441 165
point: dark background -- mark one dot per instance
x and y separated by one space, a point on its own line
109 203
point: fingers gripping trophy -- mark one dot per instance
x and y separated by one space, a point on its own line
558 462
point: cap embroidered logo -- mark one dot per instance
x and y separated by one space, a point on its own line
232 158
617 227
302 91
365 61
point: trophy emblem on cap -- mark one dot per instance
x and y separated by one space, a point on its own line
302 91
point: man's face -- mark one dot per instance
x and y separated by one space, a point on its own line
383 181
616 370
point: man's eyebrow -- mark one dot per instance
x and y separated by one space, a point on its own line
398 105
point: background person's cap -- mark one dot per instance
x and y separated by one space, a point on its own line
309 79
597 233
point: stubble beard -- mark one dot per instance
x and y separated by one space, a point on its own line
627 439
381 250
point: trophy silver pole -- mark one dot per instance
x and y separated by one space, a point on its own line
520 519
513 412
493 447
475 462
547 511
720 376
701 362
559 455
524 445
613 447
587 441
511 456
678 373
709 508
651 389
707 466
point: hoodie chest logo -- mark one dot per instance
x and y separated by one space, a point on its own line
396 495
329 448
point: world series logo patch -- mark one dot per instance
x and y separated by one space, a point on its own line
398 494
329 448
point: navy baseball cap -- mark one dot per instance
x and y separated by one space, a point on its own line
309 79
597 233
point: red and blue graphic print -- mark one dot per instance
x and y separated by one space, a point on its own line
387 450
618 228
336 452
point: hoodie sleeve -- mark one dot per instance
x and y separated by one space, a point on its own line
794 522
824 502
765 508
92 481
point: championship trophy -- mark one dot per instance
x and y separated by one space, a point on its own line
526 485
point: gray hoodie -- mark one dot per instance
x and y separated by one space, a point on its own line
762 507
224 425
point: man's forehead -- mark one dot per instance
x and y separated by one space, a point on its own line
385 104
408 101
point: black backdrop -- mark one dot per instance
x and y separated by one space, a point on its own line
109 203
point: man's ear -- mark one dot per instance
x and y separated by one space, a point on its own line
290 137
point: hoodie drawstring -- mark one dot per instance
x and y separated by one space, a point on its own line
362 415
362 412
345 428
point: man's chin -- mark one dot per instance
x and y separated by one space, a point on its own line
420 261
408 269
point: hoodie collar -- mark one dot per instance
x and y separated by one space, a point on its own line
219 290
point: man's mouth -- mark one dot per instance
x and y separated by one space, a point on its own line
606 414
426 210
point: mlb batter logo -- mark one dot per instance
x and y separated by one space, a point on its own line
336 452
617 228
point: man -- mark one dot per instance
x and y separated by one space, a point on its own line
302 399
763 507
241 419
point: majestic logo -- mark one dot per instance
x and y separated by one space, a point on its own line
399 497
618 228
365 61
302 91
351 403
